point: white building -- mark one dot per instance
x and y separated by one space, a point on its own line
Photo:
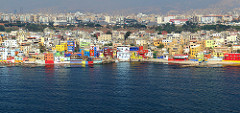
160 20
107 19
141 42
3 53
215 18
231 38
10 43
123 53
149 54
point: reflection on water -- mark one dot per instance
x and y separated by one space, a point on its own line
119 87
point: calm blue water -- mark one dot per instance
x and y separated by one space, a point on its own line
121 87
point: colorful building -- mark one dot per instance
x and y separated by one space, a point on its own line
49 58
218 52
134 49
209 43
194 52
123 53
71 46
60 48
232 57
156 43
108 52
142 52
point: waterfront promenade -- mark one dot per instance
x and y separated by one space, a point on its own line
195 63
187 63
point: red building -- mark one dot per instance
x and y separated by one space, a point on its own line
49 58
232 57
108 52
92 53
142 52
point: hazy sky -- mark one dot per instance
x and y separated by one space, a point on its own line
104 5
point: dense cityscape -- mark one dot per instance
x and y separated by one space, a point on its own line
80 38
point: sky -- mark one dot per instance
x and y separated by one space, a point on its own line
104 5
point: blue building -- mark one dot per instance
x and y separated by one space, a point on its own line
134 48
95 52
87 53
70 45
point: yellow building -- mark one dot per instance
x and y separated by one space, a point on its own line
42 40
209 44
194 52
220 51
218 54
135 56
175 49
62 47
114 53
65 46
157 43
53 48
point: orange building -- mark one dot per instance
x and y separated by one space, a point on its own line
92 53
49 58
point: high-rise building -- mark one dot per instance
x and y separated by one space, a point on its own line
107 19
159 19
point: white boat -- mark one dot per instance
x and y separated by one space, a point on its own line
97 61
181 57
